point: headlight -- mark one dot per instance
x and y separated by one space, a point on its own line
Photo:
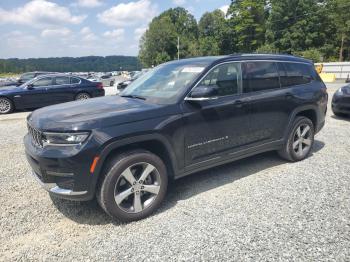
64 138
340 91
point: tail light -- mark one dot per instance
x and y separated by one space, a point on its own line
99 85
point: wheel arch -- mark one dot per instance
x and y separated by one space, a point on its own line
155 144
309 111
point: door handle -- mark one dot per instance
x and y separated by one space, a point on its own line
238 103
289 96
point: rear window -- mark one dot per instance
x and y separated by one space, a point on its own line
259 76
292 74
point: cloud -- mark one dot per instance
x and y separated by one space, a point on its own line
139 32
117 34
128 14
224 8
89 3
179 2
40 13
56 32
87 34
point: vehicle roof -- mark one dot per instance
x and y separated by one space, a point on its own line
40 72
58 74
240 57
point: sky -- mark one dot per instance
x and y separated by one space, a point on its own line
53 28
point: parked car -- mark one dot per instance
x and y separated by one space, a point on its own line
25 77
182 117
341 101
47 90
107 80
122 85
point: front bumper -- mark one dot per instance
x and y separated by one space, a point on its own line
341 104
64 173
56 190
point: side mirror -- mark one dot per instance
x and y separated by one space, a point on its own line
201 93
30 86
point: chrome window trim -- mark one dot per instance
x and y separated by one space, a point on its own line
76 78
240 88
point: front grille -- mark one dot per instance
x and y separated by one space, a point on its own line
36 136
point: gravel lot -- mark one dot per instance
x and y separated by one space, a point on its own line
260 208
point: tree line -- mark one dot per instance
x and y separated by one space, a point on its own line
70 64
315 29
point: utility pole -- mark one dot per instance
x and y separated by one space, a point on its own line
178 48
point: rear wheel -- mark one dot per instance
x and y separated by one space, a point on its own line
134 185
6 105
300 140
82 96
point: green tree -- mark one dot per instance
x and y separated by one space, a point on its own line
340 14
298 25
247 19
159 43
214 34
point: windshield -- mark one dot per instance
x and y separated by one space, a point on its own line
165 83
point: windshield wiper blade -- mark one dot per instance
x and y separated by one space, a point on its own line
134 96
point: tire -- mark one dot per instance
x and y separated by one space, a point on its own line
298 145
123 195
82 96
6 106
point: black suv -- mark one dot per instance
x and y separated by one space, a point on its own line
181 117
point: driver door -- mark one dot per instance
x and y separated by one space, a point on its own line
36 94
218 125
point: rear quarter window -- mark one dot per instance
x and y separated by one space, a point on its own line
292 74
75 80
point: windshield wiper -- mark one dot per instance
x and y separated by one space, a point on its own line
134 96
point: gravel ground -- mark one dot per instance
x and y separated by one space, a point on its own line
260 208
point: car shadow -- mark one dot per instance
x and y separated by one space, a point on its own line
90 212
344 118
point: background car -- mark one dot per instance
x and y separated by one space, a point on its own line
26 77
107 80
341 101
122 85
48 90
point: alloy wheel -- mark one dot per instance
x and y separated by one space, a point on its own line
83 96
137 187
302 140
5 106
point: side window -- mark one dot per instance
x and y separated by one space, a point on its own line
259 76
46 81
75 80
224 79
27 77
62 80
294 74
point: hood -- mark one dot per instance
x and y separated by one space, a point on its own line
95 113
10 89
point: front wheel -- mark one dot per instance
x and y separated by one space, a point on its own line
300 140
6 105
134 185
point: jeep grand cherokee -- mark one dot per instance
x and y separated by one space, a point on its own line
181 117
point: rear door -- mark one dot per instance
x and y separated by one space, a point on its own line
62 90
270 104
